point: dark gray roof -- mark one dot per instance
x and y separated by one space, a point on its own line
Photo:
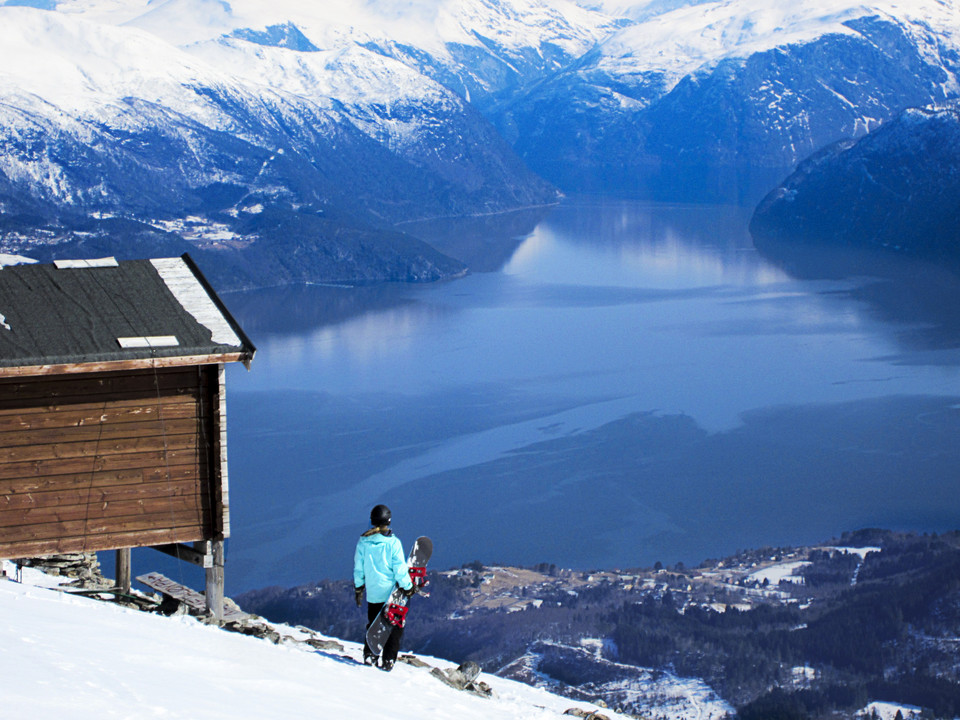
108 311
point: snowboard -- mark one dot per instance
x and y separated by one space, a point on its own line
394 612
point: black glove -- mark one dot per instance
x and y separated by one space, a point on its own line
358 593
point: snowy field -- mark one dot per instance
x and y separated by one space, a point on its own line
66 656
775 574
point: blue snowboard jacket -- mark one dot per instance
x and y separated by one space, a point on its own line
379 564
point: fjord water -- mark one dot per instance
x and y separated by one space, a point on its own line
621 383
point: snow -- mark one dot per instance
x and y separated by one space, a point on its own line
803 675
56 65
148 341
646 692
68 69
787 571
72 657
425 24
9 259
84 264
861 551
781 571
888 711
195 299
369 84
89 57
679 41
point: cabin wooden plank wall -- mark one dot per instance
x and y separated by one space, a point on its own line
110 460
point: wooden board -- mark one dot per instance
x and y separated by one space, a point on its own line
105 541
152 363
166 586
60 415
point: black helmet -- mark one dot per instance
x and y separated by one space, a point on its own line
380 516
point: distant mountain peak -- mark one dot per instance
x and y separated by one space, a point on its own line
285 35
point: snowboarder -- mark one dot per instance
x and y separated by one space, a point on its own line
379 565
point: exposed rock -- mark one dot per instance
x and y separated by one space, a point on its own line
586 714
322 644
256 629
463 677
84 568
618 119
170 606
413 660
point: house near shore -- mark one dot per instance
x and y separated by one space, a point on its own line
112 412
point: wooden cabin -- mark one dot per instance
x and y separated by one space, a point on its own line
112 414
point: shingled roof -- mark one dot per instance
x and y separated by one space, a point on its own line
91 315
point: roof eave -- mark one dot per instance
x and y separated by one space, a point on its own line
130 364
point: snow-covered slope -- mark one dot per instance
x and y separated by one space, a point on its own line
733 83
488 50
694 37
368 113
101 115
70 657
647 693
476 47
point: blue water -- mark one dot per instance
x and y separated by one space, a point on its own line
624 383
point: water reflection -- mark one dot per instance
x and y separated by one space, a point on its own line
485 242
297 309
644 244
918 300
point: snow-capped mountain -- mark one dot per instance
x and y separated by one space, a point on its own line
113 120
647 693
489 50
735 83
262 126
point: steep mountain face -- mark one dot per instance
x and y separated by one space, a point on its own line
489 50
730 84
898 189
102 121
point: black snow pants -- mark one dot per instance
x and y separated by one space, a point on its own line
392 647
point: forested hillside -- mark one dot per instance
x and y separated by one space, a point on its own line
778 632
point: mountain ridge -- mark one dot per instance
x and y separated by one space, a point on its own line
182 138
376 115
894 190
657 102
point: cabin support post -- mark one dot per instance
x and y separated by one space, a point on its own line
123 570
214 589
